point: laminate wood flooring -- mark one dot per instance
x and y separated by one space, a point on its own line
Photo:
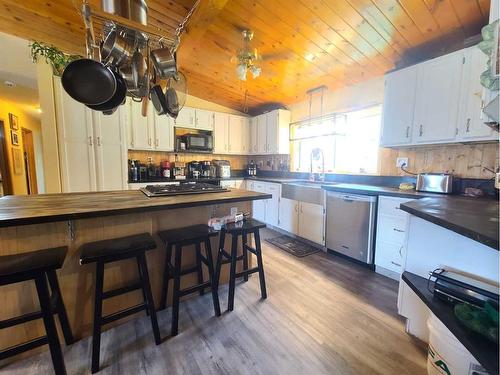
324 315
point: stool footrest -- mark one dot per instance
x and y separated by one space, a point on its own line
21 319
21 348
251 249
122 313
122 290
247 272
189 270
196 288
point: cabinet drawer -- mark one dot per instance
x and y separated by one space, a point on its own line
392 229
389 256
390 206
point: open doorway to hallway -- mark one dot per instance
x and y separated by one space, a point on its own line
29 161
5 180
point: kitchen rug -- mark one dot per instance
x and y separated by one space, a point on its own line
293 246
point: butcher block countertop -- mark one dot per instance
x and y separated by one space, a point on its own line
43 208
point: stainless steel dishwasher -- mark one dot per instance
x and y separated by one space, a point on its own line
350 225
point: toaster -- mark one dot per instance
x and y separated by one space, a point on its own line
435 183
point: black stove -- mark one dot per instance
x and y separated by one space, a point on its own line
182 189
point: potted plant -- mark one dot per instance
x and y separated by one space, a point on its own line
52 55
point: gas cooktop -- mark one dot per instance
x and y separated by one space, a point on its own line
182 189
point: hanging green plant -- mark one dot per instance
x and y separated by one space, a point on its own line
52 55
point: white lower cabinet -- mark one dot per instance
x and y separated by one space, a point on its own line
306 220
266 210
233 184
311 222
92 146
392 228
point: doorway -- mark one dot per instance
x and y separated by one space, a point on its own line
29 161
5 180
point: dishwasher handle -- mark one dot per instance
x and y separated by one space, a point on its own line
351 197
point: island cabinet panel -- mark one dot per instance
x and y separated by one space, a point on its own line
77 282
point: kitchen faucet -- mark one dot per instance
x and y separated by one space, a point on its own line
316 153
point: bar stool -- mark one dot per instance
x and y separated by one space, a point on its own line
107 251
39 266
243 229
192 235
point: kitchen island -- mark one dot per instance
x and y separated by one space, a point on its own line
36 222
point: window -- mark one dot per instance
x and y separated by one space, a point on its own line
349 142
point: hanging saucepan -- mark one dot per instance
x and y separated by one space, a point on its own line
172 102
165 62
158 97
115 49
86 80
117 99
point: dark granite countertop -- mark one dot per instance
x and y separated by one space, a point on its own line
43 208
476 218
378 190
485 352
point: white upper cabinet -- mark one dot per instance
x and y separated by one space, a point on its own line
142 128
186 118
437 99
470 124
195 118
221 133
204 120
239 141
164 132
261 121
253 136
399 103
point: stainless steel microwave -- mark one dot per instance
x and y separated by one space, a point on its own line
194 142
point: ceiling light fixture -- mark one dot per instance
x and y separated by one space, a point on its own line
247 58
9 84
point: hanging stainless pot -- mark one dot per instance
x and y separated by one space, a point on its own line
165 62
115 49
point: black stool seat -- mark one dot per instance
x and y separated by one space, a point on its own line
40 260
115 249
187 235
39 266
235 230
248 225
191 235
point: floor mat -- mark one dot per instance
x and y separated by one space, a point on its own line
293 246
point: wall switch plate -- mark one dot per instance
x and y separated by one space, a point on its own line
234 211
401 161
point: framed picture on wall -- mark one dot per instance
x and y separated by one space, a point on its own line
14 124
17 158
14 137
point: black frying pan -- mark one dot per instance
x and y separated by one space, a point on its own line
117 98
159 100
89 82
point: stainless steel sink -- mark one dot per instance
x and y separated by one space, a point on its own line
304 191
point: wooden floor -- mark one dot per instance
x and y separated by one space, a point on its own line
324 315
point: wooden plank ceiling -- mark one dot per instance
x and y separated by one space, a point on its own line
305 43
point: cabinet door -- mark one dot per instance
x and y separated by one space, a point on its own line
288 215
437 98
254 140
110 150
75 141
204 120
399 105
245 136
389 255
142 127
235 134
261 134
186 118
221 133
311 222
259 206
164 133
228 184
272 205
272 129
471 125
